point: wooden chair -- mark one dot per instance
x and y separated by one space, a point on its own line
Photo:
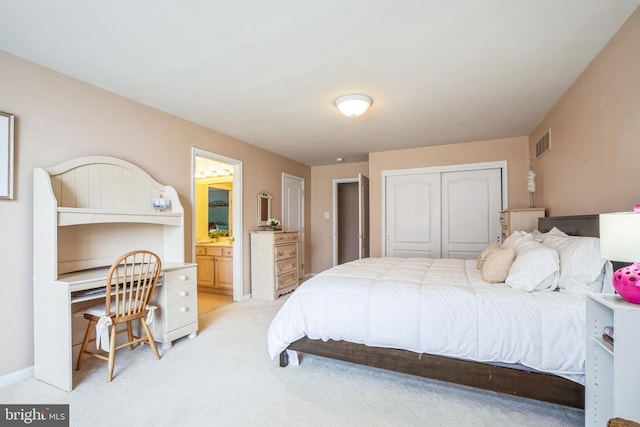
130 284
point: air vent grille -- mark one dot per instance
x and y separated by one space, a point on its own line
542 146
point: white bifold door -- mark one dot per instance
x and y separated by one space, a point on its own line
442 214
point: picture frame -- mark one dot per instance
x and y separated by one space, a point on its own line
6 155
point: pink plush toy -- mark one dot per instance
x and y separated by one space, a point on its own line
626 281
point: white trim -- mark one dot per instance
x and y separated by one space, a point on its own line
16 376
335 213
500 164
238 229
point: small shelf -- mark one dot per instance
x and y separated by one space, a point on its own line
605 345
79 216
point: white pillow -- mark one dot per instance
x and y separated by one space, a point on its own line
537 235
513 239
535 267
580 262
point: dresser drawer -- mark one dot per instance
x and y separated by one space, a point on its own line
504 218
285 237
286 265
181 314
286 280
286 251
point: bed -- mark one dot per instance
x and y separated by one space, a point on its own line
400 314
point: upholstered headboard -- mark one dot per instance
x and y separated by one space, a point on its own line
575 225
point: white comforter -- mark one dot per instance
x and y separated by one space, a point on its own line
436 306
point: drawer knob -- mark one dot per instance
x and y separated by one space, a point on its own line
184 309
183 277
184 293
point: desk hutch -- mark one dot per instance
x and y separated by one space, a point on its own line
86 213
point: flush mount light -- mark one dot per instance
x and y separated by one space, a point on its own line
339 159
354 104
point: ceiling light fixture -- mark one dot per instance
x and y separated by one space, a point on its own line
353 105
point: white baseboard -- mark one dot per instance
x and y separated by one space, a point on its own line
14 377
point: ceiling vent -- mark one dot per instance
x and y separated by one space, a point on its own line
542 146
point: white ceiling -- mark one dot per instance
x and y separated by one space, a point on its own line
267 72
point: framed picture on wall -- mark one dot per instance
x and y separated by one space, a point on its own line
6 155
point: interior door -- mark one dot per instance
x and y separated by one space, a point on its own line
412 215
293 212
363 215
471 204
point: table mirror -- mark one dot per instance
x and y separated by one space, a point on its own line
264 207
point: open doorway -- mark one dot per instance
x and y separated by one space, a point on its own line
217 228
351 219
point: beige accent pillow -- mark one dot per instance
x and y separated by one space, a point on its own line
485 253
497 264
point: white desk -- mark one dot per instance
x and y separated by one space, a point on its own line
86 213
55 303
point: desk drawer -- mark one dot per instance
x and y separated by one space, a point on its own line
181 314
177 294
180 277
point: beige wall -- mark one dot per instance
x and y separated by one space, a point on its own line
595 139
59 118
512 150
322 201
595 134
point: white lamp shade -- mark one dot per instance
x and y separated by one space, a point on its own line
353 105
620 236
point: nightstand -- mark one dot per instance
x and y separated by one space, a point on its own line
525 219
612 383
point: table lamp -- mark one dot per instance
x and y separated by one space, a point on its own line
620 241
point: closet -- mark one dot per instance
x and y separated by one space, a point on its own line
451 212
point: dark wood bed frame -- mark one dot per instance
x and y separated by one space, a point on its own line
518 382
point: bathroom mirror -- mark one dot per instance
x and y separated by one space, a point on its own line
219 210
264 208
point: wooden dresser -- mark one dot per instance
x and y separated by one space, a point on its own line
274 263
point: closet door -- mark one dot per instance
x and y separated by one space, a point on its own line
412 215
471 204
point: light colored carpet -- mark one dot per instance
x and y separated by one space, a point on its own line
224 377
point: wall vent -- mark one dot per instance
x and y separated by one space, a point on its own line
542 146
